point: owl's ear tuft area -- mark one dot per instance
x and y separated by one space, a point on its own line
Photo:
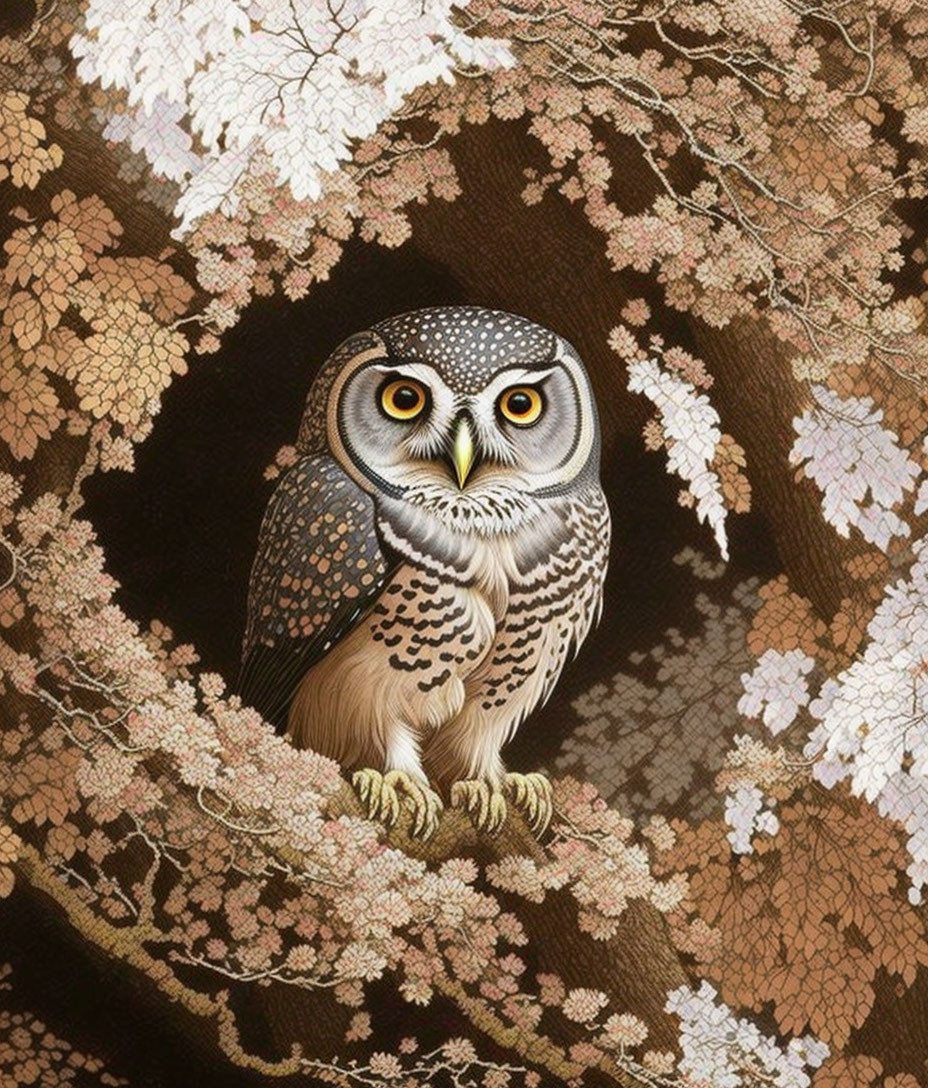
312 433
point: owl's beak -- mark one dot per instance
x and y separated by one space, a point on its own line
462 452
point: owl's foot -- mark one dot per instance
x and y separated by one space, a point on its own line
485 804
533 795
380 794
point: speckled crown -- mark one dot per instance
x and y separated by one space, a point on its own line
468 343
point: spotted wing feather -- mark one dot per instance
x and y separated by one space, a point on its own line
318 568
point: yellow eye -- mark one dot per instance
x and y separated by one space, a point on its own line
521 405
402 399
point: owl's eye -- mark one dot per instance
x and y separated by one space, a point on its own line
521 405
402 399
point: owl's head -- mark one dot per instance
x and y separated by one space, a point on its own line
475 416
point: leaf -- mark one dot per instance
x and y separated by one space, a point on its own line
848 1071
289 84
691 427
23 317
856 463
148 283
95 227
121 370
24 156
49 260
809 923
29 410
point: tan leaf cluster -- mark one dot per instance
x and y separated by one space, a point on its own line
729 464
43 790
869 572
12 608
47 260
94 225
146 282
848 1071
904 404
9 851
121 370
44 262
785 621
58 280
24 154
29 409
849 625
813 161
810 918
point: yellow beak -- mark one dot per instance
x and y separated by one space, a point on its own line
463 451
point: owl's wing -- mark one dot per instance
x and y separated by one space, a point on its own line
318 568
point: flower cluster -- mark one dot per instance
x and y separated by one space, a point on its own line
210 89
870 718
727 1051
604 868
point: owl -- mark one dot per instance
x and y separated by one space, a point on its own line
430 562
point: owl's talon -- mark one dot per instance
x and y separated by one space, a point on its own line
377 797
361 786
532 793
380 795
485 805
389 803
426 805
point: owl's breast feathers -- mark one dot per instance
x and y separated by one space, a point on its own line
362 611
462 643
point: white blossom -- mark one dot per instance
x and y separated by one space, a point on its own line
692 430
921 498
159 136
748 811
728 1052
873 718
776 688
857 464
296 82
905 798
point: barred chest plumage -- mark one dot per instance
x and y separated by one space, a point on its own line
468 630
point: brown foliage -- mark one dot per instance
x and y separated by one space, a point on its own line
808 920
